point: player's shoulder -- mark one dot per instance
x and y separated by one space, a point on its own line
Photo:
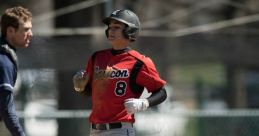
146 60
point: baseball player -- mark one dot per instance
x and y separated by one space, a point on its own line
16 33
115 79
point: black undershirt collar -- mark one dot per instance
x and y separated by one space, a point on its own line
116 52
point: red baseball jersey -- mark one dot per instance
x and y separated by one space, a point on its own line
109 80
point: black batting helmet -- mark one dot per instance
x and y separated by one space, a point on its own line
127 17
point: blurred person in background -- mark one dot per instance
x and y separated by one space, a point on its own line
16 33
116 77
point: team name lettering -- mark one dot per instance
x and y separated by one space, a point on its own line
111 73
119 73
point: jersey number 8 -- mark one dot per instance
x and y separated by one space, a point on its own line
120 88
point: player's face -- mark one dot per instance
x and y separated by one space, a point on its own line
22 36
115 33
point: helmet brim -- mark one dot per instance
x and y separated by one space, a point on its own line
107 21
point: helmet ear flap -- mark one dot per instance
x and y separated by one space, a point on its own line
125 32
130 33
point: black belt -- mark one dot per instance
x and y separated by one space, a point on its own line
107 126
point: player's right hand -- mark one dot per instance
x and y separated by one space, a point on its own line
80 80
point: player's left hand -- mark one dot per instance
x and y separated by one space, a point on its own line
133 105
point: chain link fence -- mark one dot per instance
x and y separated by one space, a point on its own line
223 123
155 123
